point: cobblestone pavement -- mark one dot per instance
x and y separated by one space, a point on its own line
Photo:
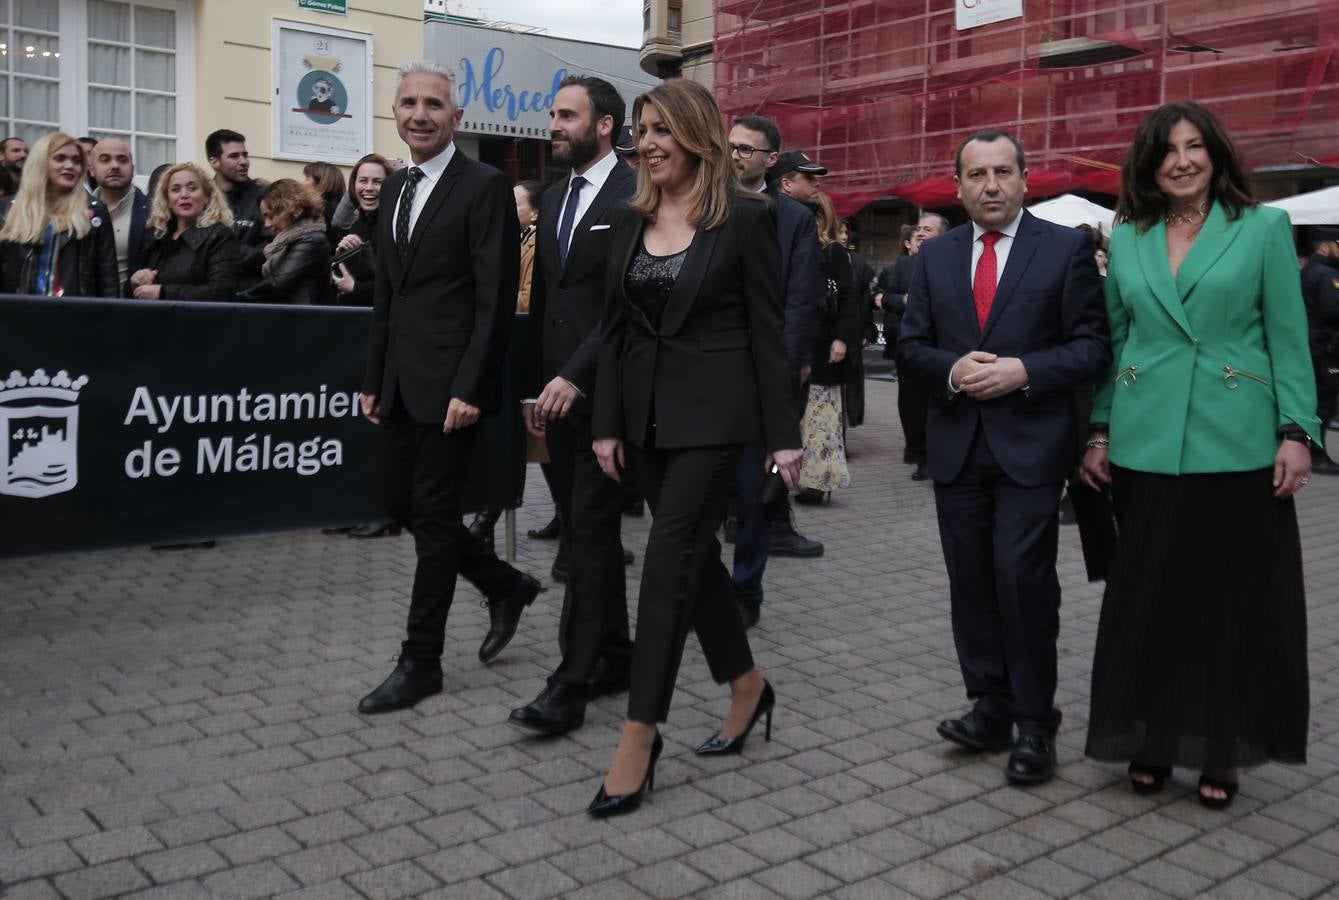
182 725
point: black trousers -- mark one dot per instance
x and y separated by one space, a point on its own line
1327 391
684 583
1000 540
590 507
913 406
425 476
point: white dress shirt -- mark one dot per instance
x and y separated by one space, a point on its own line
595 176
432 172
1002 247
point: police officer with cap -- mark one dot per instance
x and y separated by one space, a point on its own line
1320 288
626 147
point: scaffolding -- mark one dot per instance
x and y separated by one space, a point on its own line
881 91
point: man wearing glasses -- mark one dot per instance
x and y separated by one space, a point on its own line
755 145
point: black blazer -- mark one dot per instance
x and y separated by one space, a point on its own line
363 265
566 303
1048 311
441 319
87 265
802 274
139 236
202 264
300 277
716 371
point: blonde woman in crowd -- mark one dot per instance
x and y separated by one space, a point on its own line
56 240
192 252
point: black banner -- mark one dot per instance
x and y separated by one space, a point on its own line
128 423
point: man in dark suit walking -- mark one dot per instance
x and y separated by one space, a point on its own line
1004 319
755 144
567 300
443 302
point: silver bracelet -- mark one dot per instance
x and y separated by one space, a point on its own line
1099 442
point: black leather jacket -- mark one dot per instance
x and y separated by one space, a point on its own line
363 266
87 264
202 264
300 275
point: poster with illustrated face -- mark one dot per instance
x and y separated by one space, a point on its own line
322 93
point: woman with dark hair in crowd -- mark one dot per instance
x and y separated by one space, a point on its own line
1203 429
56 239
691 344
353 278
297 262
155 176
192 252
836 334
527 209
326 180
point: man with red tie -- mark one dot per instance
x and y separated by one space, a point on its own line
1004 319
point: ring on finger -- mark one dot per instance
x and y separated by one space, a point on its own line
1304 481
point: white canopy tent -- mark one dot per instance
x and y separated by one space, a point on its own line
1312 208
1072 211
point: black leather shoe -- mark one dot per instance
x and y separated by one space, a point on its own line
548 533
504 613
721 746
609 678
919 474
412 681
375 530
628 558
559 571
558 709
605 805
750 613
634 509
975 732
1033 760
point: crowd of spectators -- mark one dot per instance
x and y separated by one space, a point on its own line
72 222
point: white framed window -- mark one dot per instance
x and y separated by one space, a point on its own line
30 67
101 67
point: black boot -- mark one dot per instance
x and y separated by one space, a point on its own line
504 613
786 541
548 533
482 526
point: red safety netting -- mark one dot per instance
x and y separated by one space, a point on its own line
882 91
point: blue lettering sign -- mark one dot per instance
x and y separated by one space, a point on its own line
489 88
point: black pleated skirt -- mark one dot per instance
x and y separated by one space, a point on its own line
1201 657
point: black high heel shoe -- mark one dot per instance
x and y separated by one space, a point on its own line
719 746
1227 787
616 805
1159 774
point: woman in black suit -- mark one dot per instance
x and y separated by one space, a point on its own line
692 367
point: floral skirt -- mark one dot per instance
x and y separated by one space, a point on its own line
824 465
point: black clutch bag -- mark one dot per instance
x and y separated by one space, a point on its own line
773 492
1098 527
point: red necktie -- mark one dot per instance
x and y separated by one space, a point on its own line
983 284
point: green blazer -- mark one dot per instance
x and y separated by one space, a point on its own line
1207 366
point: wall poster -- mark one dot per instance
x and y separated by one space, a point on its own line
322 103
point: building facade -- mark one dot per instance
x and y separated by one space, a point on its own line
882 91
165 73
505 81
677 37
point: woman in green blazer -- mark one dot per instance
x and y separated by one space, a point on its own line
1202 428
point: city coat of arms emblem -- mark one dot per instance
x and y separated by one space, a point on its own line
39 418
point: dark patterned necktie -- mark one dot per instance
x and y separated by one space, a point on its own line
406 206
569 219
